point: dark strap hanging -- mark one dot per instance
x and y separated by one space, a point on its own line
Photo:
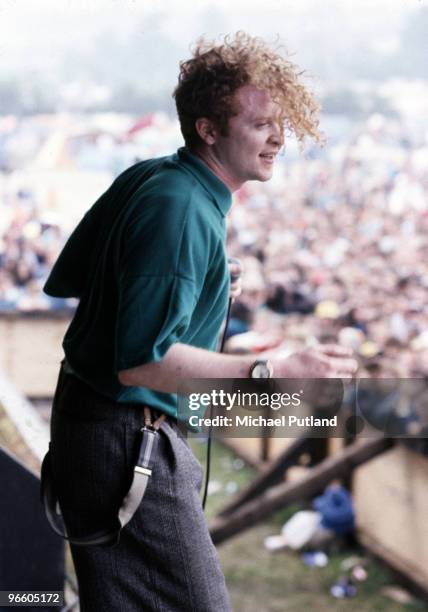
131 501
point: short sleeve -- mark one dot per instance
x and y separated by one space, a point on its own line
162 267
154 313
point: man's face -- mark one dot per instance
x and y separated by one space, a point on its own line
254 137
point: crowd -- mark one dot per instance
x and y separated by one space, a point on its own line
29 245
334 249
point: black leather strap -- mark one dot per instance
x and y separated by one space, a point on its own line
142 472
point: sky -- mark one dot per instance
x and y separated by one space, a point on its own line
25 24
35 37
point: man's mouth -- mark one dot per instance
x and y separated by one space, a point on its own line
268 156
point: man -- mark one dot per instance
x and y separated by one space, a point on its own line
148 265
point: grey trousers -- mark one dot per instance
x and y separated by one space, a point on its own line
165 561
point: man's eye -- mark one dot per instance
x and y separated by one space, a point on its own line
260 125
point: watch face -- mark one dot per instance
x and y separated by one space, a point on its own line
261 370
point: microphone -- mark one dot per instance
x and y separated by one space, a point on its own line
234 276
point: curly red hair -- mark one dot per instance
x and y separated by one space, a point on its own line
208 81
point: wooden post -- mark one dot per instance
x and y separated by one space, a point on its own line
269 475
314 482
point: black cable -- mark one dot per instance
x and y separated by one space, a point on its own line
233 277
208 461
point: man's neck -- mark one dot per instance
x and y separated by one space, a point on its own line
217 168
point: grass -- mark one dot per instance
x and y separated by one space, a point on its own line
260 581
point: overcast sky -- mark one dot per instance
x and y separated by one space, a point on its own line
53 41
24 23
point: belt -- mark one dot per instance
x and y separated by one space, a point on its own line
142 472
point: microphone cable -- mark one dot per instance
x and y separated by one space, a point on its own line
233 278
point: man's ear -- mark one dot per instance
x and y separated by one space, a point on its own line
206 130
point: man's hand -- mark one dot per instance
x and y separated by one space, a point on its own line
321 361
235 269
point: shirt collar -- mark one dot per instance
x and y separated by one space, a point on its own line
216 187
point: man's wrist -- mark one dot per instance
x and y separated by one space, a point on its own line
261 369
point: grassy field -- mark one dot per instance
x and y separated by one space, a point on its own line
260 581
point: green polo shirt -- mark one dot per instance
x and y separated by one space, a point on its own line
149 267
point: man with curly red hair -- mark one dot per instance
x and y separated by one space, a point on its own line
148 265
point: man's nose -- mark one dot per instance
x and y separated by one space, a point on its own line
276 136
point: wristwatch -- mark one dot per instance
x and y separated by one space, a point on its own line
262 368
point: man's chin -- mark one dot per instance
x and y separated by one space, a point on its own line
266 175
261 175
